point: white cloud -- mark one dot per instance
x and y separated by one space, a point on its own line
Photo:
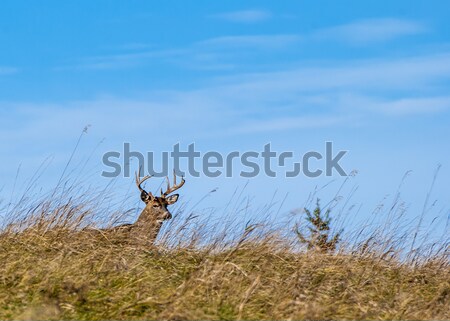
7 70
207 54
247 16
123 60
387 75
410 106
222 52
290 123
244 107
299 98
259 41
371 30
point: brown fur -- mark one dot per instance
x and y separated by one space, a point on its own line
150 221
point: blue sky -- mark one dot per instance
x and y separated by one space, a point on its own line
373 77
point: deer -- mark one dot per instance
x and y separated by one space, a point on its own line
155 212
150 221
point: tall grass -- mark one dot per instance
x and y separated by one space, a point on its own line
209 266
211 263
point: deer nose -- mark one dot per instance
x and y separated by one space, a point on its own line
167 216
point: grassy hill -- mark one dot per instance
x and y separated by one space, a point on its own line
51 270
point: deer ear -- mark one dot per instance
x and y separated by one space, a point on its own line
172 199
145 197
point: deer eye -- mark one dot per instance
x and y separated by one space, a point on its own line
155 205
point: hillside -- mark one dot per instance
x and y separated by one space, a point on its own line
59 273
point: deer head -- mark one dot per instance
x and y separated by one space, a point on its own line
155 211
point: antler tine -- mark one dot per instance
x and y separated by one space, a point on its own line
175 185
139 182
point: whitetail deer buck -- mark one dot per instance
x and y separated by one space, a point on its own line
155 211
149 223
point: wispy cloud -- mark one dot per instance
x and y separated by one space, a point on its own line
221 53
123 60
371 30
410 106
252 41
7 70
246 16
328 96
321 96
206 54
415 73
290 123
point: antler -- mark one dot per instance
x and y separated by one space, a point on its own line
174 187
139 181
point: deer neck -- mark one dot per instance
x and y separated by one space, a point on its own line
149 224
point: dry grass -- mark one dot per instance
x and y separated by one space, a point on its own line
51 270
